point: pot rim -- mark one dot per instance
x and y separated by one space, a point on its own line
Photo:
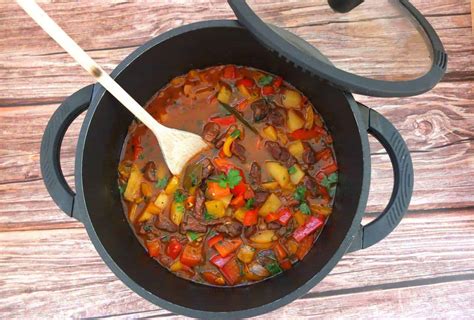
80 207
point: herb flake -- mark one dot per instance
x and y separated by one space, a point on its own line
232 179
179 196
161 183
304 208
265 80
300 193
292 170
249 203
235 134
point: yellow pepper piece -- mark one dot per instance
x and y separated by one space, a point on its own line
273 185
177 212
278 172
272 204
133 213
239 214
226 147
246 254
224 95
215 208
133 190
244 91
162 200
172 185
147 215
325 211
264 236
147 191
270 133
300 218
176 266
296 149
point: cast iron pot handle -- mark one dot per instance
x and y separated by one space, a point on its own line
392 141
60 121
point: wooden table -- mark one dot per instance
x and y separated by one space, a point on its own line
48 266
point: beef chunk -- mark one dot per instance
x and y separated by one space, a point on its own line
280 153
311 186
190 223
150 171
147 228
164 223
165 260
199 204
255 174
281 232
207 168
238 150
231 228
260 110
276 117
250 231
309 156
291 161
273 225
274 149
260 197
211 131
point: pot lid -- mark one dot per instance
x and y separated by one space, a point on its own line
382 48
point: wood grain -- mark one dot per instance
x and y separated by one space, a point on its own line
425 268
66 277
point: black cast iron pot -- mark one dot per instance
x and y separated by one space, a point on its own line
96 202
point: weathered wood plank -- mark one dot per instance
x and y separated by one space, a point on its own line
26 52
66 278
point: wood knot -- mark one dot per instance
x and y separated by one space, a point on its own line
424 127
96 72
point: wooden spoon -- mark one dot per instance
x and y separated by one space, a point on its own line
177 146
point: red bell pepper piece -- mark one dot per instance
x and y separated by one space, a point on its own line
305 134
277 82
280 252
311 224
223 164
249 193
285 264
229 72
216 191
212 241
242 105
246 82
285 216
213 277
238 201
191 255
267 90
304 247
137 148
219 261
327 170
153 247
325 154
250 218
239 189
224 121
231 271
174 248
226 247
272 216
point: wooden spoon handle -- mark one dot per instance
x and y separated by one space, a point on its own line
71 47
